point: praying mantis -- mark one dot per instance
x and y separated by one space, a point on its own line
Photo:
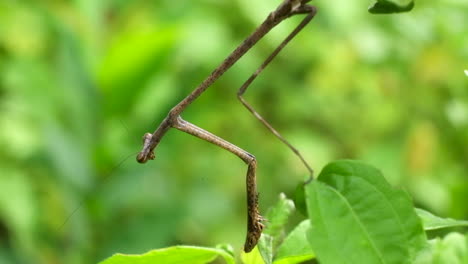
286 9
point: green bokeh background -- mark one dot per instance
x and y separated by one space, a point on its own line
81 82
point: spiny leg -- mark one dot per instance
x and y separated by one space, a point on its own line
244 87
254 219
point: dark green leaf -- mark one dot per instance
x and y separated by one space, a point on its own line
299 199
391 6
357 217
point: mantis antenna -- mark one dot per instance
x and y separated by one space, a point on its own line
286 9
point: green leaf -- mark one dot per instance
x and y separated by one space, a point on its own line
173 255
278 216
432 222
299 199
294 259
226 248
265 247
295 248
391 6
253 257
357 217
452 249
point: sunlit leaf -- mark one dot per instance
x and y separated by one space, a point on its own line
453 249
173 255
295 248
432 222
253 257
357 217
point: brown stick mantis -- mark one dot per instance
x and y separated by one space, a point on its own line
286 9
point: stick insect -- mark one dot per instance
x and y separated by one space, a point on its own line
286 9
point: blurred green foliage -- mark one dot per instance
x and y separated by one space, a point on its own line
81 81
